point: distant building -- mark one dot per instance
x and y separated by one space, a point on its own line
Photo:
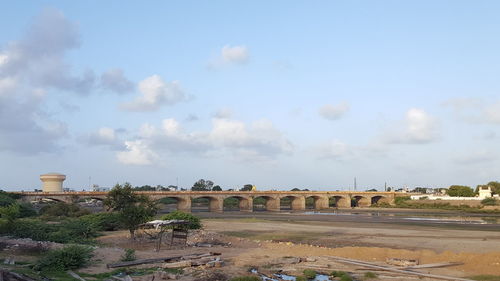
52 182
484 191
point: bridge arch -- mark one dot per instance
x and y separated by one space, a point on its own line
179 203
238 203
215 203
360 201
339 201
377 199
292 202
264 202
316 202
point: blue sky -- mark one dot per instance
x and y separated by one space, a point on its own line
280 94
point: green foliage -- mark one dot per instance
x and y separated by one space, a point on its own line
69 257
61 209
10 212
245 278
216 188
107 221
231 202
309 273
399 200
167 200
26 210
129 255
370 275
71 231
460 191
346 278
202 185
133 208
6 199
300 278
336 273
247 187
194 221
489 201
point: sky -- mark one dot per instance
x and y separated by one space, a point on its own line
279 94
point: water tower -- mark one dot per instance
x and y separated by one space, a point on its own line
52 182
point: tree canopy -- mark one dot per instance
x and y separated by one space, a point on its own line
460 191
202 185
133 209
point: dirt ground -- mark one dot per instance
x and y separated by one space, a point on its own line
265 243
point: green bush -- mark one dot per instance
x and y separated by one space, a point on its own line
194 221
245 278
460 191
69 257
370 275
167 200
309 273
108 221
26 210
6 199
346 278
61 209
401 199
70 231
300 278
489 201
129 255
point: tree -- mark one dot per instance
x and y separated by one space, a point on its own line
460 191
216 188
133 209
247 187
202 185
295 189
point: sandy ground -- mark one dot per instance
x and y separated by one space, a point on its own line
264 243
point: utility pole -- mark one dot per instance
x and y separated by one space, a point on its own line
385 186
355 184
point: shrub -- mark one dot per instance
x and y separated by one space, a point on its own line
401 199
194 221
309 273
69 257
300 278
61 209
129 255
370 275
6 199
26 210
489 201
245 278
346 278
108 221
72 231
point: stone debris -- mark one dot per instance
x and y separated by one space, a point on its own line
401 262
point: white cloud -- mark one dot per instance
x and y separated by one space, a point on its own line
476 157
334 149
38 59
7 85
137 153
155 93
333 112
115 80
260 140
223 113
234 54
475 110
419 127
230 55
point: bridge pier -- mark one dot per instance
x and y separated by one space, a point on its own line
246 204
343 202
273 204
184 205
298 203
216 204
320 203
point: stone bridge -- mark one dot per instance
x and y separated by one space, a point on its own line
272 200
